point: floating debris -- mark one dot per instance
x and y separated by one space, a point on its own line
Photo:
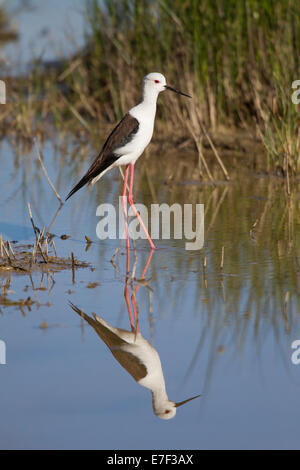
222 258
44 325
92 285
6 302
73 267
40 256
34 257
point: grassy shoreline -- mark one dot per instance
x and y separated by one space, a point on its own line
237 59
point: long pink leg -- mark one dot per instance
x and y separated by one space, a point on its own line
126 290
130 200
133 297
124 204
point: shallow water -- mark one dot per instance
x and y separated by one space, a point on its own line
47 30
225 334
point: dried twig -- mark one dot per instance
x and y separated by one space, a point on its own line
73 268
32 223
213 147
222 259
54 248
285 317
1 247
11 248
45 172
198 143
6 252
40 246
76 113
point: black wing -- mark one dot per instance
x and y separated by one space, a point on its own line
116 345
120 136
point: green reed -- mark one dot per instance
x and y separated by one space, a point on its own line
237 59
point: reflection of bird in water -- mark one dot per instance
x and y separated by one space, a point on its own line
140 359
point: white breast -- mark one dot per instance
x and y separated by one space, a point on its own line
150 358
145 114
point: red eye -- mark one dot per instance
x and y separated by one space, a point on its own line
156 81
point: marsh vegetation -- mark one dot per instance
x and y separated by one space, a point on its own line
237 59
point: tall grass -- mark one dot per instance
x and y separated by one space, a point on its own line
229 49
6 32
279 128
237 58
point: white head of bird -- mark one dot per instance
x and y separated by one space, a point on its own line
167 409
153 84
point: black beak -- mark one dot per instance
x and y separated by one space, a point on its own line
189 399
167 87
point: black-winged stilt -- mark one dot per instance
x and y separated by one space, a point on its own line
135 354
128 140
139 359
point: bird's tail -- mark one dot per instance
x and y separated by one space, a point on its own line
110 335
83 315
86 179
